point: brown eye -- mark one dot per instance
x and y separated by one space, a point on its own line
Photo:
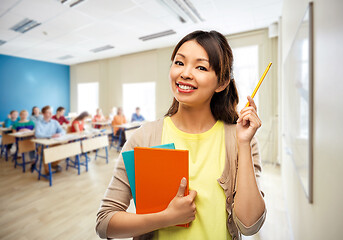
202 68
178 63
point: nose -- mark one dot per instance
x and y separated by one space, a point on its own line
186 73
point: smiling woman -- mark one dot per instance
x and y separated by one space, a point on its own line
224 198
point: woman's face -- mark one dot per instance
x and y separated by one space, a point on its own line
193 81
36 111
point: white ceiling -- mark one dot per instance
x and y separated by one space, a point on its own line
96 23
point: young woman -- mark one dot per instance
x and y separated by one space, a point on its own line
224 164
78 123
98 117
23 124
35 116
119 119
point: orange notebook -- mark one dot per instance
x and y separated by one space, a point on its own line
158 176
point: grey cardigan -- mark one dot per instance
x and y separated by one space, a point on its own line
118 194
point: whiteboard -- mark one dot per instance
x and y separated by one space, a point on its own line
298 102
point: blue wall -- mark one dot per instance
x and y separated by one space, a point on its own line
25 83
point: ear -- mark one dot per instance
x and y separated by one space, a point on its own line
222 87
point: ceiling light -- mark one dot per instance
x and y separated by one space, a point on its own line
65 57
103 48
2 42
25 25
157 35
71 3
182 9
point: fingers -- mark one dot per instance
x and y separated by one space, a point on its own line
249 115
252 102
182 188
192 194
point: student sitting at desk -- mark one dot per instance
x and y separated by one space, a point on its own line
119 119
23 124
11 119
78 123
35 116
98 117
59 117
137 117
49 128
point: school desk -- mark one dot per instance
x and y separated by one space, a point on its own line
128 129
64 147
6 140
23 145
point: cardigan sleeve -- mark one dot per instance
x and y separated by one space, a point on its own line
118 194
254 228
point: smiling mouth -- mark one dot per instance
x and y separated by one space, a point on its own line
185 87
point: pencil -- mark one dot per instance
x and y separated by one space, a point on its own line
259 83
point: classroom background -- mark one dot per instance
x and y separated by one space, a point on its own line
111 55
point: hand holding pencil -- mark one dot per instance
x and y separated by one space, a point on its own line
248 121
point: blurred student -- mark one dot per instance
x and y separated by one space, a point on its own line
119 119
35 115
137 117
49 128
59 117
98 117
24 125
112 113
11 119
78 123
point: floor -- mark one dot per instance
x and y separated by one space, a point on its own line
30 209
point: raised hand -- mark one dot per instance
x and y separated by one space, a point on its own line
247 123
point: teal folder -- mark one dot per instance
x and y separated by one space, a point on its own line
129 161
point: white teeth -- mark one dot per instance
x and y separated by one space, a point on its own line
185 87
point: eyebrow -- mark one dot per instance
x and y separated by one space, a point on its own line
198 59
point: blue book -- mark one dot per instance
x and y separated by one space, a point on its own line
129 161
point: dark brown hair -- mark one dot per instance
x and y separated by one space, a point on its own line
82 116
224 103
33 110
44 109
59 109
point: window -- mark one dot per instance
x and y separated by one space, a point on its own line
87 97
245 69
140 95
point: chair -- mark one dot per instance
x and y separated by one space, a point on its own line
6 140
24 146
95 143
114 140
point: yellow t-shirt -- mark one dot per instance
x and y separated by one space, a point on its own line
206 164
